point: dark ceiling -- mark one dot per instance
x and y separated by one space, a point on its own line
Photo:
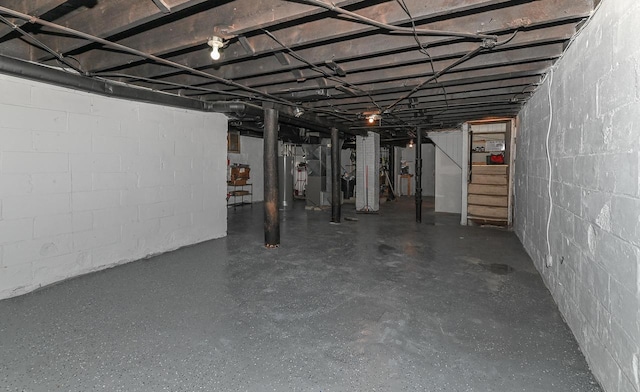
433 63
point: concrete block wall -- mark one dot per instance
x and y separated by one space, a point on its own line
595 223
88 182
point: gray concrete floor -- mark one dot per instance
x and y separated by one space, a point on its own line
378 304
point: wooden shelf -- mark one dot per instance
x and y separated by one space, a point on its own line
236 197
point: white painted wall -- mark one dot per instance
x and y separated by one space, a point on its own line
448 184
88 182
428 170
252 154
594 232
450 142
449 158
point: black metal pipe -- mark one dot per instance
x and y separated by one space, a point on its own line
335 176
105 87
271 213
31 71
419 175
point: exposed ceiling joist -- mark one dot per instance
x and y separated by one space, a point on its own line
335 61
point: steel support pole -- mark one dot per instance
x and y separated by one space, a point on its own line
391 170
419 175
271 213
335 176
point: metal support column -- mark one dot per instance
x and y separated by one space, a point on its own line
271 213
419 175
391 172
335 176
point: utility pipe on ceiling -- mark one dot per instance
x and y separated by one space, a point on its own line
109 88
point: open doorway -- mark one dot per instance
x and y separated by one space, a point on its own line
488 191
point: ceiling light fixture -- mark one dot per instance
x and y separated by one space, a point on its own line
216 44
410 143
373 117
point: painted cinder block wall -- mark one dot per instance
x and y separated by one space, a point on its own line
595 223
88 182
252 153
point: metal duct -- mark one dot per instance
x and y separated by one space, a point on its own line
285 167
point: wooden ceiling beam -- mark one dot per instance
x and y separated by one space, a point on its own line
505 92
434 91
31 7
105 19
19 48
319 32
361 47
414 64
531 70
226 20
402 74
411 55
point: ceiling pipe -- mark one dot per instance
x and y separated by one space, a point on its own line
39 73
398 29
109 88
147 56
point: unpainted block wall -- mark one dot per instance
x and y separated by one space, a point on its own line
87 182
595 223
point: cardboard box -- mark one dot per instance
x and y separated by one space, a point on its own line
239 172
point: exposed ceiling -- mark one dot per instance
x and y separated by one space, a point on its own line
433 63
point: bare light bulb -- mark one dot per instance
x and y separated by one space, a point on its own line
216 43
215 53
371 120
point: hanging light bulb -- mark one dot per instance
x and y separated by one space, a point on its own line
411 143
373 118
215 53
216 44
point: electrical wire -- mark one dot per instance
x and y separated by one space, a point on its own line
320 70
59 57
423 50
435 76
548 261
535 85
35 20
330 76
483 46
385 26
214 91
160 60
